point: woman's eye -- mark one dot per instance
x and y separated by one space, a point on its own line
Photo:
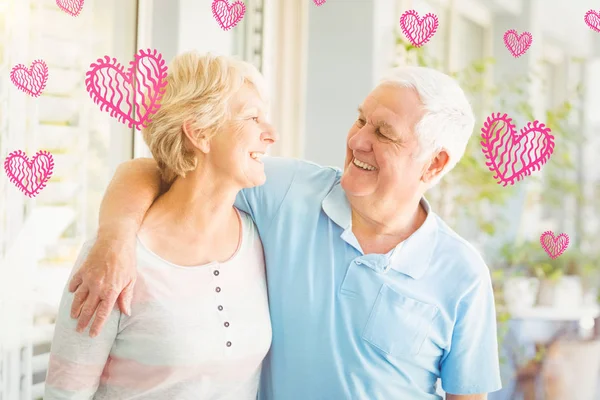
360 122
255 119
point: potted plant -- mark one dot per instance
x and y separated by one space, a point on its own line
520 286
590 280
560 283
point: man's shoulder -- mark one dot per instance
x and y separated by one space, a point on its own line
300 173
290 182
299 167
464 258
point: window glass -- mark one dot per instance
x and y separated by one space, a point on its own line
40 237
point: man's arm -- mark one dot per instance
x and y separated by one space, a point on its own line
77 361
471 366
108 273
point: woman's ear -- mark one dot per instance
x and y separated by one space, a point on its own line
197 137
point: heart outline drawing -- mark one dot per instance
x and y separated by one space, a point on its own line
147 70
592 19
71 7
424 28
30 80
517 44
554 246
228 16
536 151
319 2
20 171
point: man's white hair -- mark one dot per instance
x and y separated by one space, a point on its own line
448 121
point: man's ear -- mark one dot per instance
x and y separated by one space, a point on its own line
196 137
437 164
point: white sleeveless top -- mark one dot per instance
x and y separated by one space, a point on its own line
195 333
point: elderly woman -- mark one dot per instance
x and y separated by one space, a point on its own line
199 323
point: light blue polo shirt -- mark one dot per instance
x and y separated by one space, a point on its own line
349 325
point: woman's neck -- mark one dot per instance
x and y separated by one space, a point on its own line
199 204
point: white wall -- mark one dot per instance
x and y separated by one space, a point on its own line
562 22
176 26
346 54
198 29
384 27
165 16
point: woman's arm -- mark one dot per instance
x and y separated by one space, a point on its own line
108 273
77 361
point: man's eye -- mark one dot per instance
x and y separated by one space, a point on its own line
255 119
360 121
383 136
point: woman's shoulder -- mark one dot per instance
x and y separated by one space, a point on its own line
249 229
251 241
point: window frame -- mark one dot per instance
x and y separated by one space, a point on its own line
23 219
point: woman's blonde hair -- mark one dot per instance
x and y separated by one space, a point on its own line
199 88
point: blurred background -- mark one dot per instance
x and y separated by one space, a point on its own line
320 62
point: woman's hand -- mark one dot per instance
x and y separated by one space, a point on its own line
108 274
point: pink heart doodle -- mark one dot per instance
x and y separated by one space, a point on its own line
592 19
517 44
418 30
554 246
29 176
30 80
132 96
511 155
227 15
319 2
72 7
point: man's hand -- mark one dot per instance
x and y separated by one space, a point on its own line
107 275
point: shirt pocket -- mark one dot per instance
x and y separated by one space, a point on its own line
398 325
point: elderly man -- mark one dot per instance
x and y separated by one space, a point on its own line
372 295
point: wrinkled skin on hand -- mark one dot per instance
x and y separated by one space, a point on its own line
107 276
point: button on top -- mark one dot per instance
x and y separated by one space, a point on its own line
228 344
218 289
220 308
226 324
216 273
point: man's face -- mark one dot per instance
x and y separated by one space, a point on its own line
382 145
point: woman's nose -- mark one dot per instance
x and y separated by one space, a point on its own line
270 135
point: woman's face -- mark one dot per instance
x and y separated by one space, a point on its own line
236 152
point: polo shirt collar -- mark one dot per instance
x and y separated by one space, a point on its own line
411 257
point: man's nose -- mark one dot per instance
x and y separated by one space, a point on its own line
360 140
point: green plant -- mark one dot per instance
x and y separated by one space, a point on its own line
548 271
589 271
520 256
529 259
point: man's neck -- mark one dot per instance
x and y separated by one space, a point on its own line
378 231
